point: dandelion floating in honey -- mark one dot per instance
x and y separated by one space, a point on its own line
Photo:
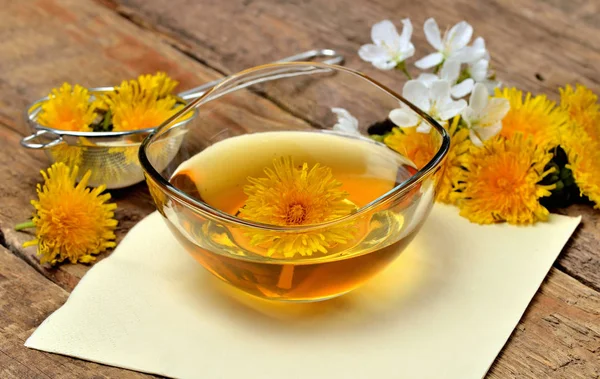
293 195
72 222
502 182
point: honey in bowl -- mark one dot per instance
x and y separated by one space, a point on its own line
291 179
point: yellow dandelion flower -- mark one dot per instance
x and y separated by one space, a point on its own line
68 108
159 83
418 147
583 108
72 222
452 172
580 139
134 107
533 116
502 182
293 195
69 155
583 154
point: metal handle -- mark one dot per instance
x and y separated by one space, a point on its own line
27 141
332 55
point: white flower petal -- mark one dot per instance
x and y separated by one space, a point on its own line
475 139
439 92
415 91
432 33
450 70
467 54
479 43
344 116
404 117
485 133
384 64
496 109
491 85
406 35
407 52
479 70
424 127
371 53
479 98
384 32
427 78
459 35
462 89
429 61
451 109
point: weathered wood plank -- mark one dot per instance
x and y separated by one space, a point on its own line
26 299
559 335
537 46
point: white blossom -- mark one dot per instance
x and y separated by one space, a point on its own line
346 123
389 48
434 99
484 115
450 72
452 46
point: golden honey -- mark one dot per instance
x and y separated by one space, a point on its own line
367 170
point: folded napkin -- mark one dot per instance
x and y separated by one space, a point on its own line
444 309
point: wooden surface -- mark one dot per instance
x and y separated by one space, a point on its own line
535 45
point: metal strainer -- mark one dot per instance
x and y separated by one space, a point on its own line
112 157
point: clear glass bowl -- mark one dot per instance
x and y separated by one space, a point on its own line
292 102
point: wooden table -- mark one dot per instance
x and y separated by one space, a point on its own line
535 45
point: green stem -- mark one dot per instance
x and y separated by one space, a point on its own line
25 225
402 67
405 71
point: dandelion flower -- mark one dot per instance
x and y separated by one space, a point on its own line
583 108
534 116
135 107
502 182
452 173
160 84
68 108
583 154
291 196
72 222
418 147
580 139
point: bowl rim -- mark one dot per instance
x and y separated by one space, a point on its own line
203 208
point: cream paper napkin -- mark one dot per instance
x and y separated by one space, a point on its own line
444 309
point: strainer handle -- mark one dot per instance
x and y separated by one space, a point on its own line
29 143
333 57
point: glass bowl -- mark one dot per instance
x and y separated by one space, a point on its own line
285 198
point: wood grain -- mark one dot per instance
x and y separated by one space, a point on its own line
535 45
559 335
26 299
